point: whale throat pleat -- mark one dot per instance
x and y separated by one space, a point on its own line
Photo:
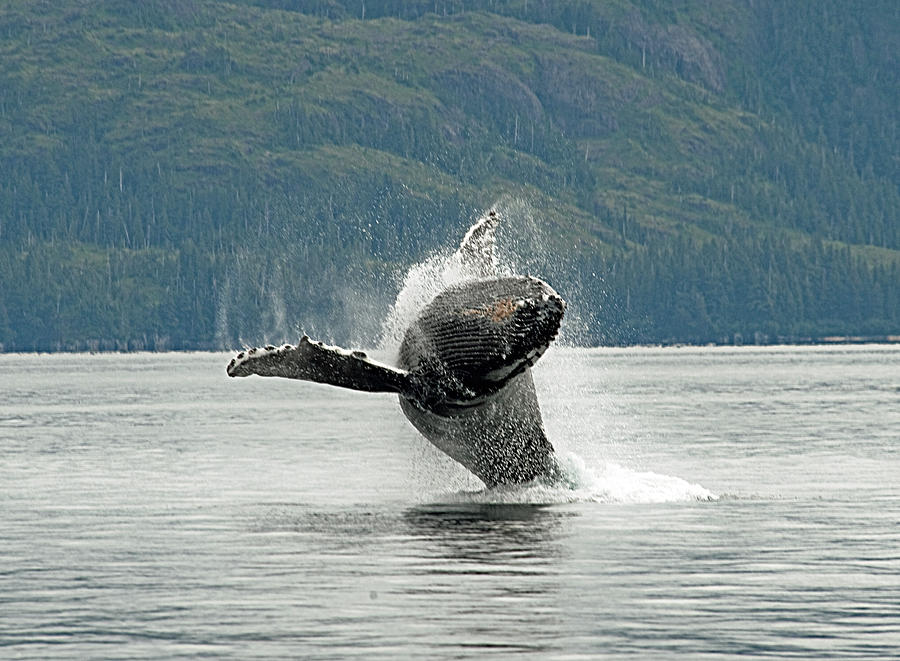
486 331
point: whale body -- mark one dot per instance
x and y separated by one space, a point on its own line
463 372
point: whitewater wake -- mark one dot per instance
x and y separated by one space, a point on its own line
578 482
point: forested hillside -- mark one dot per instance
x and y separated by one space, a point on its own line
197 174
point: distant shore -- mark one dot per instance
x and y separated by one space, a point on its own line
759 339
738 340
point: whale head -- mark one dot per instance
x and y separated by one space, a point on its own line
484 332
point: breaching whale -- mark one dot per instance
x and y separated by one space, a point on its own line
463 372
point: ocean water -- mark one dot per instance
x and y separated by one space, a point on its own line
721 502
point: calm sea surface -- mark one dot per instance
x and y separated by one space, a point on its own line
723 502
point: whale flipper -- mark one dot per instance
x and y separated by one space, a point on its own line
315 361
476 254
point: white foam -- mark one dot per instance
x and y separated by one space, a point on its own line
618 484
609 483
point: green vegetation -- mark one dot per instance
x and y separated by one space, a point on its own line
196 174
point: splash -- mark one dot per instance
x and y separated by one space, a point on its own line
427 279
578 482
614 483
252 300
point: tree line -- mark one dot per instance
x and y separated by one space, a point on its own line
216 179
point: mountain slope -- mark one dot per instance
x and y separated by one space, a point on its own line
196 174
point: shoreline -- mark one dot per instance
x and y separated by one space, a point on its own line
826 341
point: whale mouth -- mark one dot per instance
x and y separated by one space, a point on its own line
538 318
536 327
551 307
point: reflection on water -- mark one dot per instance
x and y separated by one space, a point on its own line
461 578
490 533
495 571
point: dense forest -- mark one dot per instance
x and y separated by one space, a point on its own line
189 174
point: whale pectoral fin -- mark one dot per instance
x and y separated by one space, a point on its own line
318 362
476 252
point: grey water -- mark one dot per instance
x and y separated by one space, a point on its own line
720 502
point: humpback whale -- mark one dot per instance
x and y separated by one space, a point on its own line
463 372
